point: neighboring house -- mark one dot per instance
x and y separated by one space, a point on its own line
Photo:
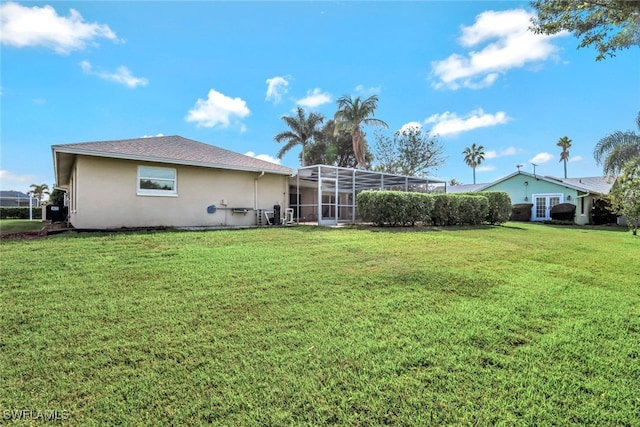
165 181
544 192
12 199
464 188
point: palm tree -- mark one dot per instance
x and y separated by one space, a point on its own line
473 156
614 150
352 114
302 130
38 191
565 144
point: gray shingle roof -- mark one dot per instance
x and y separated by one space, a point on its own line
594 184
173 149
465 188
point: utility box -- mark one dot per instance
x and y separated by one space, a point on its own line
56 213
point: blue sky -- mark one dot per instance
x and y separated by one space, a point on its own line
224 73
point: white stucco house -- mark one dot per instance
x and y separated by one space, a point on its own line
171 181
165 181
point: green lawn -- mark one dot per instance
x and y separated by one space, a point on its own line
517 325
8 226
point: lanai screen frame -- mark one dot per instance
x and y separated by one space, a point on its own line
348 183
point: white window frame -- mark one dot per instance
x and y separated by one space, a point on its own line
547 197
152 192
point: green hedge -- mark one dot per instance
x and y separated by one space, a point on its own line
459 209
499 207
397 208
19 213
394 208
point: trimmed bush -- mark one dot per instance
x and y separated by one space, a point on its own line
398 208
472 209
521 212
444 209
19 213
563 212
499 207
393 208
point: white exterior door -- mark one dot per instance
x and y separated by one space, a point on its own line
327 202
542 204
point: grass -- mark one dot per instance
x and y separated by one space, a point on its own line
517 325
9 226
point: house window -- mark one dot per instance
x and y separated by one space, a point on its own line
156 181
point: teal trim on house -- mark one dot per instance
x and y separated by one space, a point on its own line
544 192
521 188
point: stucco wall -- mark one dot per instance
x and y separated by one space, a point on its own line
106 196
522 193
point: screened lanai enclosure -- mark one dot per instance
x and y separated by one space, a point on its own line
327 194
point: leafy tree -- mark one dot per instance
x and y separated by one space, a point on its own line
453 182
302 131
625 193
609 25
334 148
352 114
38 191
56 197
473 157
412 151
614 150
386 153
565 144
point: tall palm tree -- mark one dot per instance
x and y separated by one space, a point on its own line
352 114
614 150
565 144
473 156
303 130
38 191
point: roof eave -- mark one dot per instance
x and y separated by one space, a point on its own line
76 151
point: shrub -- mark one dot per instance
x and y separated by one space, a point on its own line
521 212
394 208
499 207
563 212
472 209
398 208
19 213
602 212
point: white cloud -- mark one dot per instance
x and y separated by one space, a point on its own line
509 151
41 26
264 157
541 158
218 109
11 181
6 175
575 159
500 41
276 89
450 124
368 91
315 98
152 136
492 154
487 168
122 75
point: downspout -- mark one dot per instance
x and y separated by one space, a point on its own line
255 191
